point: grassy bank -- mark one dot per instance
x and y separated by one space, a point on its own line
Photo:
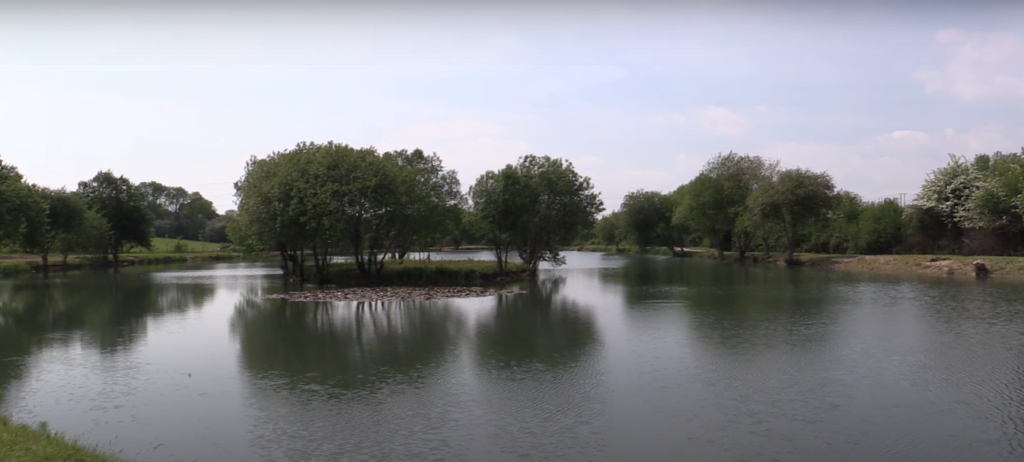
945 265
12 265
23 443
621 249
162 245
422 273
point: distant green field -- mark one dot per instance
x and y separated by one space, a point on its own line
163 245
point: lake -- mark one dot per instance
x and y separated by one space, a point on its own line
609 358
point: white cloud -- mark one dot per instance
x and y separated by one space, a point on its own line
674 118
721 121
711 120
454 129
889 164
470 147
905 138
590 161
978 66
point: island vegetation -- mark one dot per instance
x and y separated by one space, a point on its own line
322 201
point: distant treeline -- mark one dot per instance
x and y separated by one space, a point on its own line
319 201
107 215
746 204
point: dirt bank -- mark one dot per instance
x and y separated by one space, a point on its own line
928 264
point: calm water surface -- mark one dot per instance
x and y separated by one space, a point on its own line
609 358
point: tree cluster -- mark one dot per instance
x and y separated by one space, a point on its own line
327 200
747 203
179 214
107 215
333 199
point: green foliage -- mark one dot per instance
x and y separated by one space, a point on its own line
332 198
611 229
60 216
998 200
949 191
716 205
845 224
881 228
217 228
647 216
177 213
21 210
89 237
534 207
793 200
123 206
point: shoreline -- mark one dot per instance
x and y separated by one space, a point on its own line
26 443
1001 267
20 265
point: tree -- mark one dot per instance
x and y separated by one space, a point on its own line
793 200
949 191
429 200
717 199
63 217
123 207
89 237
648 217
217 228
493 213
328 198
843 226
534 207
880 228
998 201
611 229
22 212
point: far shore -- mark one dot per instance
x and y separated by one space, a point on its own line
937 265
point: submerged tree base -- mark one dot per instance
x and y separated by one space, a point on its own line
387 294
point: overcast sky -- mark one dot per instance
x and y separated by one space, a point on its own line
636 95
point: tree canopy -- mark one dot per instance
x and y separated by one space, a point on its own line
123 206
332 198
534 207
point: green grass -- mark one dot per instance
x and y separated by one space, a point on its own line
32 264
163 245
420 272
23 443
465 247
630 249
932 264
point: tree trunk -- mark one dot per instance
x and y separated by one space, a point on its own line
284 260
117 264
